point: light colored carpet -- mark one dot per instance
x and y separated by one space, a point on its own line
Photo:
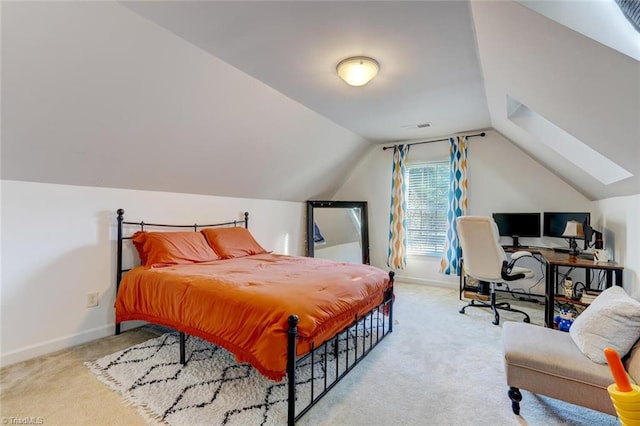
438 367
59 389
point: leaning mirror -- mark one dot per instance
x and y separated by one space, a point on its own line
338 230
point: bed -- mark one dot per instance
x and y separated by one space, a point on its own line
272 311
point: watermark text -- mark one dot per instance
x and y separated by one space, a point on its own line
28 420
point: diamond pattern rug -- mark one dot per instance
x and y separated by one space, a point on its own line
212 388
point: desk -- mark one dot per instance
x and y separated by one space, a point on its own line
554 260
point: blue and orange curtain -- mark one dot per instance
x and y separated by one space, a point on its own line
458 183
397 256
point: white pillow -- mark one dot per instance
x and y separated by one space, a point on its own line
613 319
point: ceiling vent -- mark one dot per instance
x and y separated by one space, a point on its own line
416 126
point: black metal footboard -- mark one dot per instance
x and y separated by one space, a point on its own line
332 360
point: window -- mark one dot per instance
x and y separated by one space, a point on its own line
427 200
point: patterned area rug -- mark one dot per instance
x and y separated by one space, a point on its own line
212 388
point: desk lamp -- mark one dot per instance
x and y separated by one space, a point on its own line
572 231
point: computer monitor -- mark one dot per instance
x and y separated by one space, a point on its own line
517 225
555 222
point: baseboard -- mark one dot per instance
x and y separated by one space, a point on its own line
435 283
65 342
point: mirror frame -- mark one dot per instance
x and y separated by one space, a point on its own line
364 223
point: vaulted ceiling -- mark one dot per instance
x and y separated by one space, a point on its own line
242 99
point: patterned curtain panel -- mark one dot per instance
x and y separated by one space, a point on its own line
397 258
450 262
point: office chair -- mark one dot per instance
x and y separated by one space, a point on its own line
484 259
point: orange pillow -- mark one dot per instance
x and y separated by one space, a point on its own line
172 248
232 242
138 240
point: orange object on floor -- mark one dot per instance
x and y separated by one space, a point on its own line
624 395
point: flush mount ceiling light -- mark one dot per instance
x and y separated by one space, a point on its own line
358 71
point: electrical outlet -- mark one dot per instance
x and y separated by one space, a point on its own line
92 299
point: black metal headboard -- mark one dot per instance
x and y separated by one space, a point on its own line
141 225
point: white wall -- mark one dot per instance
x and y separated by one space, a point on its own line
617 219
501 178
59 244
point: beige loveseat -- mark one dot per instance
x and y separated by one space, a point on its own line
548 362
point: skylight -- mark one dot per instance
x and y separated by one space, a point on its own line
571 148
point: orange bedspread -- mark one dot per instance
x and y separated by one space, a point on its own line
243 304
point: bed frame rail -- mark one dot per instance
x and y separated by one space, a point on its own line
330 353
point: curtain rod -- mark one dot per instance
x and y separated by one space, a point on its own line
384 148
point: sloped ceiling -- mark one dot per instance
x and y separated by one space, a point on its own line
582 86
241 98
427 53
94 95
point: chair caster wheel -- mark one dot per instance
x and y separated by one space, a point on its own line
461 311
495 322
527 320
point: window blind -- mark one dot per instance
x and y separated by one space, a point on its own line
427 199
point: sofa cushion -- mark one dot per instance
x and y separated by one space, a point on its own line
551 352
613 319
